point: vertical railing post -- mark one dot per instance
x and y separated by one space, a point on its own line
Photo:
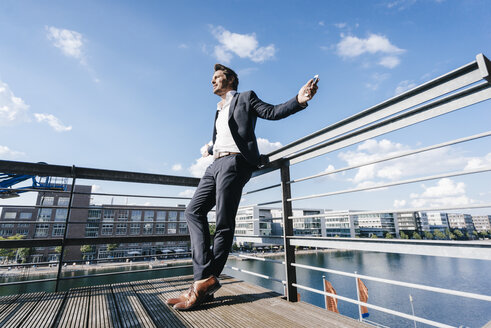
70 203
291 275
358 296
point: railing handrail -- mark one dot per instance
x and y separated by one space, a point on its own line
94 174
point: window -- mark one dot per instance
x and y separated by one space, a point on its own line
123 215
149 215
136 215
160 228
92 230
41 230
172 228
94 214
107 229
46 201
6 232
63 201
183 228
58 230
147 229
134 229
10 215
24 232
161 215
172 216
61 214
121 229
108 215
44 214
25 216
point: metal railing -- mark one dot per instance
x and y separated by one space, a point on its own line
456 90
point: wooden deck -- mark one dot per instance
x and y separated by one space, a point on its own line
142 304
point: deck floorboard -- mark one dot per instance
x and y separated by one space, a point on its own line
142 304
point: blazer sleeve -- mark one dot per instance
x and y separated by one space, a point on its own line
274 112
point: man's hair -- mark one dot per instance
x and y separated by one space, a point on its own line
229 74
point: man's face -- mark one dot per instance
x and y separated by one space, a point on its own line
220 84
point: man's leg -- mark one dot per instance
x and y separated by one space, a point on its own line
196 216
232 174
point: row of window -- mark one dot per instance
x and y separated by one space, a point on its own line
92 230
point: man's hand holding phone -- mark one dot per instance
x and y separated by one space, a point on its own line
308 91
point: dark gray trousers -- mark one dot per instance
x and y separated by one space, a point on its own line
221 185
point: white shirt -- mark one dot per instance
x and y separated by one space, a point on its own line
224 141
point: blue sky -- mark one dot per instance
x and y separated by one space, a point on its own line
126 85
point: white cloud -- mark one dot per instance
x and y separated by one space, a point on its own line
478 162
176 167
12 108
52 121
389 61
187 193
200 165
435 161
445 193
242 45
96 188
404 86
7 153
265 146
352 47
399 203
69 42
321 23
340 25
183 46
377 79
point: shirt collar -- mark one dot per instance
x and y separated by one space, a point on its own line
228 99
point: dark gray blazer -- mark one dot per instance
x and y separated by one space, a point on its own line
245 108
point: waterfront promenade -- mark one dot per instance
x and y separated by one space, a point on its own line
142 304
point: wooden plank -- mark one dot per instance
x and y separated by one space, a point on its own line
44 314
131 310
102 312
155 305
75 309
5 301
18 311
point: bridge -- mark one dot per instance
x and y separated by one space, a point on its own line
459 89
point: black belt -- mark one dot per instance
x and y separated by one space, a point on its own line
223 154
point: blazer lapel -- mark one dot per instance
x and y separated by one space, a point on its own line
233 103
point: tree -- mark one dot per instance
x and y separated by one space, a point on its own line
403 235
447 232
458 234
235 247
112 247
428 235
483 234
416 236
85 249
438 234
388 235
58 249
452 236
24 253
374 236
10 253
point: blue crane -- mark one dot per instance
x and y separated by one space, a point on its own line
7 181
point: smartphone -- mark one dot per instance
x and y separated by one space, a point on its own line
316 78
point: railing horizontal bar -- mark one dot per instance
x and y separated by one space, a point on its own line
457 101
257 258
397 183
442 248
94 174
89 222
333 214
24 282
265 203
375 307
90 193
399 283
126 272
255 274
24 264
449 82
262 189
403 154
20 243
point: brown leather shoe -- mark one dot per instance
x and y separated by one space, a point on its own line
182 298
198 293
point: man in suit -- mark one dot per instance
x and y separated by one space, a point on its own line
236 156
